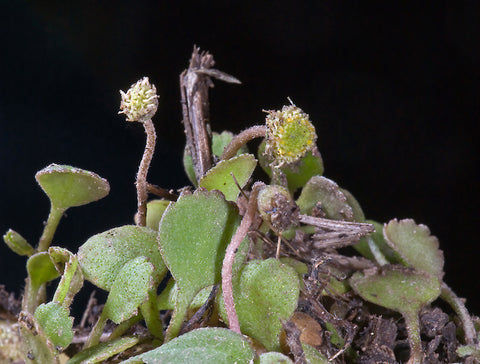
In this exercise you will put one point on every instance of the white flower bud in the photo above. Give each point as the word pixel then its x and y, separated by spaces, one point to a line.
pixel 140 102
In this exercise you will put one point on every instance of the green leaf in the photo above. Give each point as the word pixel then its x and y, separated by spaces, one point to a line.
pixel 358 215
pixel 333 201
pixel 68 186
pixel 274 358
pixel 399 289
pixel 208 345
pixel 55 322
pixel 188 166
pixel 103 351
pixel 41 269
pixel 469 350
pixel 219 142
pixel 334 335
pixel 167 298
pixel 129 290
pixel 18 243
pixel 415 245
pixel 377 236
pixel 297 173
pixel 155 210
pixel 265 293
pixel 220 176
pixel 193 235
pixel 313 356
pixel 71 282
pixel 300 267
pixel 36 346
pixel 103 255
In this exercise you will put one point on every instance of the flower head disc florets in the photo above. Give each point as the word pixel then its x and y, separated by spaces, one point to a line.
pixel 290 135
pixel 140 102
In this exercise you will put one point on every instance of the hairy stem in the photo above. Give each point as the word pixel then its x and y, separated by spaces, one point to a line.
pixel 29 302
pixel 459 307
pixel 230 257
pixel 141 183
pixel 238 141
pixel 413 330
pixel 50 227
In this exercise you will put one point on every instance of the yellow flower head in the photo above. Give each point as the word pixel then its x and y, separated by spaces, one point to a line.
pixel 140 102
pixel 290 135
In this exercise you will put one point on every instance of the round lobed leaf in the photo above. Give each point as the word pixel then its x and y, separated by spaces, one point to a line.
pixel 208 345
pixel 55 322
pixel 333 201
pixel 220 177
pixel 193 235
pixel 265 293
pixel 103 255
pixel 400 289
pixel 68 186
pixel 415 245
pixel 129 290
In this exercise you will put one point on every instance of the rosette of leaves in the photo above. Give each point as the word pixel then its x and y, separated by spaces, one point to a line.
pixel 405 289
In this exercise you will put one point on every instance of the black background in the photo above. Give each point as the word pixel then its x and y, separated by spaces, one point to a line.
pixel 393 91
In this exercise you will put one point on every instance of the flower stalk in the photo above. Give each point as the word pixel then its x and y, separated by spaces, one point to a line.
pixel 139 104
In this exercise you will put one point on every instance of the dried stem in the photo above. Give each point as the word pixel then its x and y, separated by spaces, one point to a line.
pixel 194 87
pixel 141 183
pixel 240 234
pixel 194 84
pixel 238 141
pixel 162 192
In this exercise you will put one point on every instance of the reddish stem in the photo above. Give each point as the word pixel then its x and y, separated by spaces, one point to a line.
pixel 230 257
pixel 141 182
pixel 243 138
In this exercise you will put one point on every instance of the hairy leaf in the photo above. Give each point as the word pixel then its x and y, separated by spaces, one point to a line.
pixel 68 186
pixel 220 176
pixel 415 245
pixel 399 289
pixel 55 322
pixel 129 290
pixel 265 293
pixel 103 255
pixel 208 345
pixel 193 235
pixel 101 352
